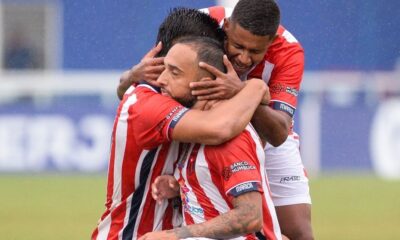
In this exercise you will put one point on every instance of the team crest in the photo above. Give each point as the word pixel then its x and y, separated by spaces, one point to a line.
pixel 226 173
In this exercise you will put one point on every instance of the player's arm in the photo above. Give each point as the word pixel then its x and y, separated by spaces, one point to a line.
pixel 272 125
pixel 149 68
pixel 273 122
pixel 245 217
pixel 225 120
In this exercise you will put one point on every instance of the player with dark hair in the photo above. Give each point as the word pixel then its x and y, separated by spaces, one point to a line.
pixel 224 189
pixel 144 127
pixel 179 23
pixel 259 47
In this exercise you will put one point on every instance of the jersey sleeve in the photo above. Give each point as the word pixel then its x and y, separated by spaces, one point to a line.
pixel 236 165
pixel 154 117
pixel 285 80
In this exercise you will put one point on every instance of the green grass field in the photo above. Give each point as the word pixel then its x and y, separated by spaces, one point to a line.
pixel 67 207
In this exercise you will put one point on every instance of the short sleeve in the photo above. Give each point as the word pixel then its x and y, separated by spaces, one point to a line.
pixel 154 117
pixel 236 165
pixel 285 80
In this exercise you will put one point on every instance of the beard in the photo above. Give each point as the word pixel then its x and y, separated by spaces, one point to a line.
pixel 187 101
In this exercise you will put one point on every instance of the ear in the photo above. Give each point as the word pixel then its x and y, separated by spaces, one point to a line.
pixel 226 25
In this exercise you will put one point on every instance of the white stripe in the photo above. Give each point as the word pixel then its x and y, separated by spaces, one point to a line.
pixel 104 228
pixel 192 199
pixel 204 175
pixel 265 186
pixel 267 70
pixel 168 169
pixel 130 90
pixel 204 10
pixel 120 144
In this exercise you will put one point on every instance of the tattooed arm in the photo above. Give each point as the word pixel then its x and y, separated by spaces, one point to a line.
pixel 244 218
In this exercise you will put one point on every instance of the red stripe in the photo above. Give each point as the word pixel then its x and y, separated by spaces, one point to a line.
pixel 117 221
pixel 217 12
pixel 118 214
pixel 205 203
pixel 268 226
pixel 129 166
pixel 95 233
pixel 182 151
pixel 167 220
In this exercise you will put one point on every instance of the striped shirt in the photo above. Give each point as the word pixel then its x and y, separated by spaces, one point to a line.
pixel 140 151
pixel 211 176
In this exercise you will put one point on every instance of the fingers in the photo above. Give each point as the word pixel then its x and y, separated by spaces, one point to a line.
pixel 203 83
pixel 153 52
pixel 228 65
pixel 157 61
pixel 214 71
pixel 155 69
pixel 206 91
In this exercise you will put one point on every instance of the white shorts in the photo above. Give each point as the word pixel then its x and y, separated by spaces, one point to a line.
pixel 287 177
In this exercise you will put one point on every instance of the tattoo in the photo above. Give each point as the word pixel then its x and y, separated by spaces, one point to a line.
pixel 246 217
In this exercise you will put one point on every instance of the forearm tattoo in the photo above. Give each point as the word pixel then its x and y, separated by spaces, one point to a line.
pixel 246 215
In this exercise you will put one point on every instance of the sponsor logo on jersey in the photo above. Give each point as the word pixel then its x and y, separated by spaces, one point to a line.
pixel 290 179
pixel 292 91
pixel 186 204
pixel 241 166
pixel 278 88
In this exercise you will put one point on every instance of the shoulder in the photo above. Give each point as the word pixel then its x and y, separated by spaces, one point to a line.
pixel 218 12
pixel 283 47
pixel 243 144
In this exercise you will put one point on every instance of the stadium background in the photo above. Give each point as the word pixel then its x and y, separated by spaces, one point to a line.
pixel 56 114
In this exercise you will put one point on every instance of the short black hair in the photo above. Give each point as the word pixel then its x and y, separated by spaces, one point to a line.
pixel 260 17
pixel 187 22
pixel 208 50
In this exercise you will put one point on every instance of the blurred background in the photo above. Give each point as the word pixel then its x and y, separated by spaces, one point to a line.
pixel 60 63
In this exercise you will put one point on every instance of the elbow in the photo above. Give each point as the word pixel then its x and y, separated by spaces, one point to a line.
pixel 255 226
pixel 277 141
pixel 280 135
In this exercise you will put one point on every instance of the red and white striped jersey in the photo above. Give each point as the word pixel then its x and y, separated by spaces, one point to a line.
pixel 211 176
pixel 282 68
pixel 140 151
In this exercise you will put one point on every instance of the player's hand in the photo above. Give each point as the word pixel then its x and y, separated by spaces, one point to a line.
pixel 148 69
pixel 162 235
pixel 164 187
pixel 225 86
pixel 267 97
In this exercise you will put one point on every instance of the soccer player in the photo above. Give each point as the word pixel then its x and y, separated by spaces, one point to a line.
pixel 144 127
pixel 259 47
pixel 223 188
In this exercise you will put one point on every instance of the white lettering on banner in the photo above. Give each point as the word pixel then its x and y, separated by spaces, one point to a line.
pixel 385 140
pixel 36 143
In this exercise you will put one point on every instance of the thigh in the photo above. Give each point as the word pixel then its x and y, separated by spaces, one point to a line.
pixel 295 221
